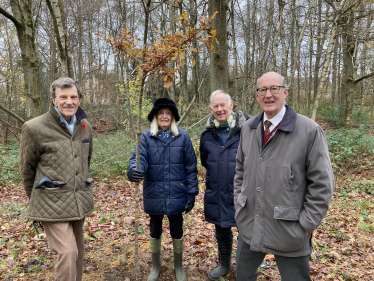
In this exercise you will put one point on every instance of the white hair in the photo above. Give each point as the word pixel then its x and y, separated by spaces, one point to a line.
pixel 219 92
pixel 154 127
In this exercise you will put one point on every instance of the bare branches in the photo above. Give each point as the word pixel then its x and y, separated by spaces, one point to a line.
pixel 11 17
pixel 12 114
pixel 363 77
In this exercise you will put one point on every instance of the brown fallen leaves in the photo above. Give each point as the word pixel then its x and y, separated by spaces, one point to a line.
pixel 343 244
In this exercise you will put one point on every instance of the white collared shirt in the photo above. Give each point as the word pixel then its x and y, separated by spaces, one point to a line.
pixel 276 119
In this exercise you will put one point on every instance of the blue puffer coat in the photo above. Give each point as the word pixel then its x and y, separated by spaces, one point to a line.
pixel 219 160
pixel 170 172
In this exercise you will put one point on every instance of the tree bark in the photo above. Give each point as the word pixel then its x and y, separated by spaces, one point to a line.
pixel 25 26
pixel 57 13
pixel 219 67
pixel 322 81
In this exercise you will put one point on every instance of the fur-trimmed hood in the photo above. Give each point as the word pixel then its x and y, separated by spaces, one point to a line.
pixel 240 119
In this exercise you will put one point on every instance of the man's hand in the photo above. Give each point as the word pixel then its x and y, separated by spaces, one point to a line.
pixel 189 206
pixel 136 175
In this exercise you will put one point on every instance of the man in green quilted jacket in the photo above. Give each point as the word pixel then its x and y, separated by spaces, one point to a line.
pixel 54 160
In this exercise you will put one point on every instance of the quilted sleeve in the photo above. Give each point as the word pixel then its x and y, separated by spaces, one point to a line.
pixel 190 166
pixel 28 158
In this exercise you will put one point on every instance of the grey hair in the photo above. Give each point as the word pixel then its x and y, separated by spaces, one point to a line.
pixel 219 92
pixel 283 82
pixel 63 83
pixel 154 127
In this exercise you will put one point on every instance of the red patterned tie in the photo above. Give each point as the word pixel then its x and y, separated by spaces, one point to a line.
pixel 267 126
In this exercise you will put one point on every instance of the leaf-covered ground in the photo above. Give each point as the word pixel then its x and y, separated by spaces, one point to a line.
pixel 344 243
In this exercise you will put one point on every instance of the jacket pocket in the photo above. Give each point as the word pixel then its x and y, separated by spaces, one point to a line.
pixel 285 233
pixel 289 177
pixel 88 184
pixel 241 201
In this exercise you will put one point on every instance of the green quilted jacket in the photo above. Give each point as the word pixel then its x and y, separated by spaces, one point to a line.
pixel 48 149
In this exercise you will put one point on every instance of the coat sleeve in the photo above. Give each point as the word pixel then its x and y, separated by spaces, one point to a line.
pixel 143 163
pixel 190 166
pixel 238 179
pixel 203 152
pixel 320 182
pixel 29 155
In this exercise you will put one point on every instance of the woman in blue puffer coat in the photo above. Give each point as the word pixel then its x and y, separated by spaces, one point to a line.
pixel 168 166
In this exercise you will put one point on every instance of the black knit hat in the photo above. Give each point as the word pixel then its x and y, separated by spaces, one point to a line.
pixel 162 103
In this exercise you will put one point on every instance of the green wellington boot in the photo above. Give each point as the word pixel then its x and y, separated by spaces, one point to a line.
pixel 156 259
pixel 224 256
pixel 178 251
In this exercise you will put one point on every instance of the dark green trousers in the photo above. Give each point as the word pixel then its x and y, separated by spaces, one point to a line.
pixel 290 268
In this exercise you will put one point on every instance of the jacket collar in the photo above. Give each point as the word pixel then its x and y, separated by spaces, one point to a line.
pixel 287 124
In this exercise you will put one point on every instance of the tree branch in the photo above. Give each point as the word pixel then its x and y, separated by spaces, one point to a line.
pixel 187 110
pixel 6 123
pixel 11 17
pixel 12 114
pixel 363 77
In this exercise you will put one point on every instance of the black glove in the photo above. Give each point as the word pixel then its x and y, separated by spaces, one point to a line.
pixel 46 182
pixel 189 206
pixel 136 175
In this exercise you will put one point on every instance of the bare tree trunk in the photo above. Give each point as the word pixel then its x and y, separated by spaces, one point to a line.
pixel 219 67
pixel 282 38
pixel 57 13
pixel 327 60
pixel 334 72
pixel 235 53
pixel 281 4
pixel 25 26
pixel 195 66
pixel 298 44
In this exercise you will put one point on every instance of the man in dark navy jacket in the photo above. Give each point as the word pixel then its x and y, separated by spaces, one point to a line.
pixel 218 145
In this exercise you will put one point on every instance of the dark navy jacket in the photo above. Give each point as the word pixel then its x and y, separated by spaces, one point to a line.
pixel 170 172
pixel 219 160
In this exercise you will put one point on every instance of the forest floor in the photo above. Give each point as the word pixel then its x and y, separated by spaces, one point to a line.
pixel 343 244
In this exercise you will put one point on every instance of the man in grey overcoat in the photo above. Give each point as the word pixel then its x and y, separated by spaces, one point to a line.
pixel 283 185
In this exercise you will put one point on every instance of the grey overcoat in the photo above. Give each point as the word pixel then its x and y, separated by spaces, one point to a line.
pixel 282 190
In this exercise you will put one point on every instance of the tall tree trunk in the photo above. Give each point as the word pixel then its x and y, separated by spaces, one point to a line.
pixel 322 82
pixel 57 13
pixel 234 75
pixel 334 72
pixel 296 56
pixel 195 67
pixel 219 67
pixel 25 26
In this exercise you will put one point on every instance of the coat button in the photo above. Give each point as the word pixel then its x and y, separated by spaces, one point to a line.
pixel 75 156
pixel 260 160
pixel 73 139
pixel 258 188
pixel 76 173
pixel 257 216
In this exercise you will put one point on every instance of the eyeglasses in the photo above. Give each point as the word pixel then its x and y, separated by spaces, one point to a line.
pixel 273 89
